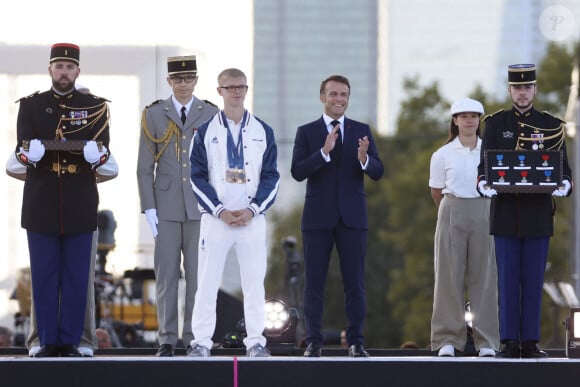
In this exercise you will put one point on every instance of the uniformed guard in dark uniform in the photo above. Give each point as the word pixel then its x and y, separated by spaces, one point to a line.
pixel 522 223
pixel 63 136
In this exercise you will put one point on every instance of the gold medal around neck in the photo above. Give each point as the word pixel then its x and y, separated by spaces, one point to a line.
pixel 237 176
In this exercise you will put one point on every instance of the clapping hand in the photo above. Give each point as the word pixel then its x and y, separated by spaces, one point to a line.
pixel 330 141
pixel 363 147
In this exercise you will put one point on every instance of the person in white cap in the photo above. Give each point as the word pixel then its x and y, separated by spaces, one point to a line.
pixel 463 252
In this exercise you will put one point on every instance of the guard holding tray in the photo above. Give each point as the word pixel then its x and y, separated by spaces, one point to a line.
pixel 63 136
pixel 522 223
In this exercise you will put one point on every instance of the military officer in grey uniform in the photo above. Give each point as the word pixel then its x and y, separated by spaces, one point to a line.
pixel 167 199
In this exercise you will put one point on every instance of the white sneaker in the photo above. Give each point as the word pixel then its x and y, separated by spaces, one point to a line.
pixel 33 350
pixel 486 352
pixel 198 351
pixel 257 350
pixel 446 351
pixel 86 351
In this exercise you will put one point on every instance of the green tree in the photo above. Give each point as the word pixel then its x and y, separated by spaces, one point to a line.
pixel 422 128
pixel 553 78
pixel 553 90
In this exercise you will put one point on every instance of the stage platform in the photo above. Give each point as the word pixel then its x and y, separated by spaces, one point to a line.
pixel 139 367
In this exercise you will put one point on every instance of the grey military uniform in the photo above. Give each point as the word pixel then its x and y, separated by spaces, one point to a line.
pixel 163 174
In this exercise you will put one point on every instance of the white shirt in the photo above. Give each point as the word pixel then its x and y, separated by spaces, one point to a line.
pixel 235 196
pixel 178 105
pixel 454 169
pixel 328 121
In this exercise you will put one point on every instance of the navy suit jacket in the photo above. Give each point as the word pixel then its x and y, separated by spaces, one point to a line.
pixel 334 189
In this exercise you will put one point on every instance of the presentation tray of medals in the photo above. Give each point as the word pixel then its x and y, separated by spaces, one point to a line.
pixel 521 171
pixel 62 145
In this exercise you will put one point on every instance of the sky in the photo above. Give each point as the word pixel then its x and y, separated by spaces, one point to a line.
pixel 223 28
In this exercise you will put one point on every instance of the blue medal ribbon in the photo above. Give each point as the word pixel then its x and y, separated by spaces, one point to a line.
pixel 235 153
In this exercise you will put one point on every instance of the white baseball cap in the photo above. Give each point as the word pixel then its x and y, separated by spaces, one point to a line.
pixel 463 105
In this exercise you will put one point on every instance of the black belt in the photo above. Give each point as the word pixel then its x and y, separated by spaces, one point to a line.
pixel 66 168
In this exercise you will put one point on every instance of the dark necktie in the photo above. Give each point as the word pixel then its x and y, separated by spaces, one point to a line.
pixel 338 144
pixel 183 116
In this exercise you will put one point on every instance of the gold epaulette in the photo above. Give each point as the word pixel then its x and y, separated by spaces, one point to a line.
pixel 172 130
pixel 97 97
pixel 153 103
pixel 210 103
pixel 491 115
pixel 28 96
pixel 553 116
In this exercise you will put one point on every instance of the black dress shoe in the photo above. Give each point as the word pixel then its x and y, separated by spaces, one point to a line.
pixel 530 350
pixel 69 350
pixel 313 350
pixel 48 350
pixel 510 349
pixel 357 350
pixel 165 350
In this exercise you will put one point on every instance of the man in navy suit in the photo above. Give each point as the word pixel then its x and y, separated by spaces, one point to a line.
pixel 334 153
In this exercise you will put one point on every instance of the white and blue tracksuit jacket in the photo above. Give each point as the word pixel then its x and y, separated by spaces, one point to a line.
pixel 209 162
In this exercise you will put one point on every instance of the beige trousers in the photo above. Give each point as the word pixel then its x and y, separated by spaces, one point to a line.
pixel 465 268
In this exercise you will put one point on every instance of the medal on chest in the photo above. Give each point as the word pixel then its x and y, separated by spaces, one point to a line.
pixel 537 141
pixel 235 173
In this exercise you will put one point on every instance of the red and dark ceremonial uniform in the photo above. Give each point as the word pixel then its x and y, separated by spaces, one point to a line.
pixel 59 209
pixel 522 223
pixel 60 193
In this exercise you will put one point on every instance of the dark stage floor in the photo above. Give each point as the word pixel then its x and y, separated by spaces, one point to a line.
pixel 138 367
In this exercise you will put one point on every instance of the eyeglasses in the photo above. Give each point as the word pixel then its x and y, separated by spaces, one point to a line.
pixel 232 89
pixel 187 78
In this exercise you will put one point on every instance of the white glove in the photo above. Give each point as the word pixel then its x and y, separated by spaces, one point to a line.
pixel 110 168
pixel 15 168
pixel 91 152
pixel 151 216
pixel 562 191
pixel 35 151
pixel 485 190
